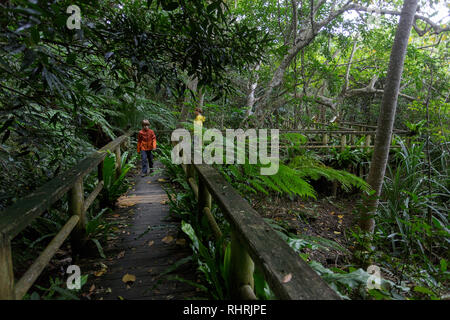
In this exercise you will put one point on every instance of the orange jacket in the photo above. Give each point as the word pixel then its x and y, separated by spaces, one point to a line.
pixel 146 140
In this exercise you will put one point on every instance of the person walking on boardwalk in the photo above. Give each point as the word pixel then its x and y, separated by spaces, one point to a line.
pixel 146 143
pixel 199 117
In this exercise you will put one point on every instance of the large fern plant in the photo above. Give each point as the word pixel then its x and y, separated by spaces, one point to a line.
pixel 291 179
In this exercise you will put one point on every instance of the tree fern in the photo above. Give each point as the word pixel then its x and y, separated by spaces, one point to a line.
pixel 291 179
pixel 314 169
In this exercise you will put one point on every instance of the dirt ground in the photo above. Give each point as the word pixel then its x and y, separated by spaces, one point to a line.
pixel 327 217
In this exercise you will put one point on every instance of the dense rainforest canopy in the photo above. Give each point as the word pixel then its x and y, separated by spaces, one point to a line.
pixel 292 65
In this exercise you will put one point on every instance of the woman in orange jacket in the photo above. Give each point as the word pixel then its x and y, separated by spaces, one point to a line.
pixel 146 143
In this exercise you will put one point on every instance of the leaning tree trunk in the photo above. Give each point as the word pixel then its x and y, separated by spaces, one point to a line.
pixel 387 113
pixel 192 85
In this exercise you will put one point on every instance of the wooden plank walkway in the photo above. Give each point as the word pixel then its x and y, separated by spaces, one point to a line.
pixel 148 243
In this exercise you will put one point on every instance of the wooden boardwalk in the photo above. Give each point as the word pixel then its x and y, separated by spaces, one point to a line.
pixel 148 242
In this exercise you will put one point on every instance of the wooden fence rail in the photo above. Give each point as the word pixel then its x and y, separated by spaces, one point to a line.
pixel 20 215
pixel 253 241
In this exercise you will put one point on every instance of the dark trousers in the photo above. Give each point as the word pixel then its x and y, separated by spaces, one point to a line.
pixel 146 155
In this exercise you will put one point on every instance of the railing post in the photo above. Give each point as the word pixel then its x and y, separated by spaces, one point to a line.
pixel 241 267
pixel 76 204
pixel 352 136
pixel 103 195
pixel 190 171
pixel 118 161
pixel 204 197
pixel 367 142
pixel 6 269
pixel 343 142
pixel 325 139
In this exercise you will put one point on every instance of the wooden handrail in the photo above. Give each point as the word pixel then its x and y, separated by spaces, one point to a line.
pixel 21 214
pixel 288 275
pixel 18 216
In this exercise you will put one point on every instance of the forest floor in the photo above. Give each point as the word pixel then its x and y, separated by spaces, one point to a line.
pixel 327 217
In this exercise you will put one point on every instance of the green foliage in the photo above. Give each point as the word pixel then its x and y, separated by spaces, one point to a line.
pixel 291 179
pixel 355 282
pixel 412 237
pixel 56 291
pixel 348 157
pixel 209 260
pixel 115 186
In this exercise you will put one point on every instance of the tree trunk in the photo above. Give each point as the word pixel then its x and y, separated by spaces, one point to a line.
pixel 387 113
pixel 192 85
pixel 253 83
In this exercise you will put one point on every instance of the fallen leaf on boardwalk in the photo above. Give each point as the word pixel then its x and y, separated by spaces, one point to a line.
pixel 164 202
pixel 129 278
pixel 181 242
pixel 121 255
pixel 92 288
pixel 120 298
pixel 332 212
pixel 161 180
pixel 287 278
pixel 150 270
pixel 116 215
pixel 340 216
pixel 147 198
pixel 102 271
pixel 150 243
pixel 149 182
pixel 167 239
pixel 337 232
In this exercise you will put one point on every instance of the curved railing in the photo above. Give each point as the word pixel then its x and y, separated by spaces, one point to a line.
pixel 20 215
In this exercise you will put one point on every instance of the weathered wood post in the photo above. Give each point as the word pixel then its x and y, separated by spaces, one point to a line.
pixel 204 197
pixel 118 161
pixel 6 269
pixel 367 142
pixel 76 205
pixel 343 142
pixel 241 268
pixel 325 139
pixel 352 136
pixel 102 196
pixel 366 146
pixel 190 171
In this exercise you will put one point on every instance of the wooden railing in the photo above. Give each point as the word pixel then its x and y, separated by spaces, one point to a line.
pixel 20 215
pixel 253 241
pixel 347 132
